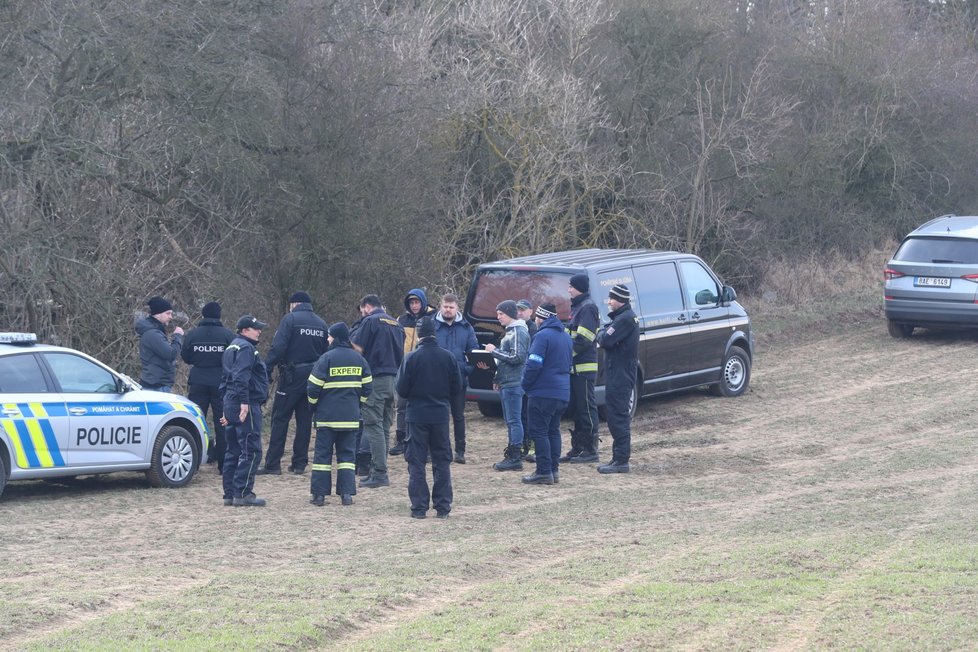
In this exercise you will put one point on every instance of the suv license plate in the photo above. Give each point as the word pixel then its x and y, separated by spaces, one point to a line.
pixel 932 282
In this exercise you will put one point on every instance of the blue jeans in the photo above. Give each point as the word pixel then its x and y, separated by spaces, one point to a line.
pixel 544 421
pixel 512 398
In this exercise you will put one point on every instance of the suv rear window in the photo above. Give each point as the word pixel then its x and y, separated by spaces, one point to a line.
pixel 938 250
pixel 494 286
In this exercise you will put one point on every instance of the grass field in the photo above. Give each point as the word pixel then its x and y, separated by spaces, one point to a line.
pixel 831 507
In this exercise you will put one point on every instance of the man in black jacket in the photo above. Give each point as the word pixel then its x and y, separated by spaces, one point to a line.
pixel 299 341
pixel 245 389
pixel 428 379
pixel 583 329
pixel 381 340
pixel 339 383
pixel 203 348
pixel 620 343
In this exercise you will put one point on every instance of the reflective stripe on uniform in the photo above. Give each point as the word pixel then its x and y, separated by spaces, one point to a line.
pixel 588 335
pixel 344 466
pixel 351 425
pixel 342 383
pixel 586 367
pixel 316 381
pixel 322 467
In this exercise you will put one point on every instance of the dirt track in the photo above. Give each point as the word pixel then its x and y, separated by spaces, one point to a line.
pixel 845 437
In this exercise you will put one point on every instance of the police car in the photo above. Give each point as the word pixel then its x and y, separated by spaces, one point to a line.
pixel 63 413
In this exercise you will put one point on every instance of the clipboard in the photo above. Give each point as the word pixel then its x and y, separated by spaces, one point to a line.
pixel 480 355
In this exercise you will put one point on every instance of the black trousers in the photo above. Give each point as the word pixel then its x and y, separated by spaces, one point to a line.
pixel 584 408
pixel 619 422
pixel 290 401
pixel 458 417
pixel 244 450
pixel 422 438
pixel 210 397
pixel 344 442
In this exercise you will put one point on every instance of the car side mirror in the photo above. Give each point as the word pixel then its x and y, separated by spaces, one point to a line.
pixel 706 298
pixel 729 294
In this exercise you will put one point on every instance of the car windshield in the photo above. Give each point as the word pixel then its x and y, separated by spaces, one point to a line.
pixel 494 286
pixel 938 250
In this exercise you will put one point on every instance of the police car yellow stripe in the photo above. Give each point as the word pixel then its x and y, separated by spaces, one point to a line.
pixel 19 453
pixel 44 458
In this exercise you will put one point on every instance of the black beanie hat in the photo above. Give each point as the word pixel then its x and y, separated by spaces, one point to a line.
pixel 158 305
pixel 339 331
pixel 580 282
pixel 508 308
pixel 300 297
pixel 620 292
pixel 426 327
pixel 546 311
pixel 211 310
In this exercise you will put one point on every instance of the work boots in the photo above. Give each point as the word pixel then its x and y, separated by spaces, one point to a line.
pixel 574 451
pixel 399 446
pixel 614 466
pixel 511 460
pixel 376 480
pixel 363 464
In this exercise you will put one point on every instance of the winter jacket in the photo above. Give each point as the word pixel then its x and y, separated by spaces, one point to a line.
pixel 547 372
pixel 340 381
pixel 299 341
pixel 457 338
pixel 428 378
pixel 409 320
pixel 619 339
pixel 583 329
pixel 511 355
pixel 382 341
pixel 157 354
pixel 203 348
pixel 245 376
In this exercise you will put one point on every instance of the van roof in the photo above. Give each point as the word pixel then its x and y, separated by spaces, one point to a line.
pixel 581 258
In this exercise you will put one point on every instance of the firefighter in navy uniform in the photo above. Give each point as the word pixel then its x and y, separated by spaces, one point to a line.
pixel 583 330
pixel 620 343
pixel 244 386
pixel 203 348
pixel 340 381
pixel 298 343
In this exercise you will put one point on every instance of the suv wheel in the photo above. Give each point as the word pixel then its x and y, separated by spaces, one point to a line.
pixel 491 410
pixel 735 373
pixel 3 475
pixel 175 458
pixel 899 330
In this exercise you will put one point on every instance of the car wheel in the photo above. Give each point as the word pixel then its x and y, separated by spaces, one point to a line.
pixel 899 330
pixel 175 458
pixel 735 373
pixel 3 475
pixel 491 410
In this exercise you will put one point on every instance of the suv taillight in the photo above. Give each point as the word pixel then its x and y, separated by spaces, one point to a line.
pixel 970 277
pixel 890 274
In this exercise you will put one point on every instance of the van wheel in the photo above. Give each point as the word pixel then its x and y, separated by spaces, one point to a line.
pixel 491 410
pixel 175 458
pixel 734 373
pixel 899 330
pixel 3 475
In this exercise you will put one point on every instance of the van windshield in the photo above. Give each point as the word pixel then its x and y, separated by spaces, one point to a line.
pixel 493 286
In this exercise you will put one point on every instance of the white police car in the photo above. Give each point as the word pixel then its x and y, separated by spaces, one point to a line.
pixel 63 413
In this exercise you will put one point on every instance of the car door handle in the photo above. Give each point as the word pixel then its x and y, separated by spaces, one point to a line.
pixel 695 316
pixel 682 317
pixel 77 411
pixel 11 412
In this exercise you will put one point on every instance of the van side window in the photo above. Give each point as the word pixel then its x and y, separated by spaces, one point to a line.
pixel 658 289
pixel 701 288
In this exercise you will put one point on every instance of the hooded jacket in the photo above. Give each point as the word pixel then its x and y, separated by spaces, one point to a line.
pixel 547 372
pixel 157 354
pixel 203 348
pixel 409 320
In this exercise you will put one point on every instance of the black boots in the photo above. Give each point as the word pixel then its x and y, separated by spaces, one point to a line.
pixel 363 464
pixel 512 460
pixel 399 446
pixel 614 466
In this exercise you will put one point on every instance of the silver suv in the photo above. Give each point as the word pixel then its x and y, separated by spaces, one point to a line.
pixel 63 413
pixel 932 279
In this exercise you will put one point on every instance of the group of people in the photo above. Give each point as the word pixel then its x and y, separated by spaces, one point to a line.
pixel 354 382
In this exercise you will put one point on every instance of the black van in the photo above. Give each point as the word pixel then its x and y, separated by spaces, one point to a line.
pixel 693 331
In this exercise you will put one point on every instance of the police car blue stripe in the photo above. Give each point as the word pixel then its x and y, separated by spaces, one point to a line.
pixel 28 445
pixel 158 408
pixel 55 409
pixel 52 442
